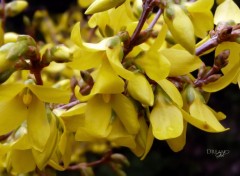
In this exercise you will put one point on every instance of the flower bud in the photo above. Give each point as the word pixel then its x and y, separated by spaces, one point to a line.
pixel 15 7
pixel 120 158
pixel 102 5
pixel 59 54
pixel 24 46
pixel 10 37
pixel 222 59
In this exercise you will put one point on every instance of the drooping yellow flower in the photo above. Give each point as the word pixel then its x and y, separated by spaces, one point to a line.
pixel 166 118
pixel 22 102
pixel 200 115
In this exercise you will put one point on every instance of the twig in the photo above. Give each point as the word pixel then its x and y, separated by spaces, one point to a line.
pixel 104 159
pixel 69 105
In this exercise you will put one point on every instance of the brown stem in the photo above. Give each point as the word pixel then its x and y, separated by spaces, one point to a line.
pixel 211 43
pixel 104 159
pixel 147 8
pixel 69 105
pixel 154 21
pixel 38 77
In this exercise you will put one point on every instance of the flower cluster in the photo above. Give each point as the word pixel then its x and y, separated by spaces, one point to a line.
pixel 138 75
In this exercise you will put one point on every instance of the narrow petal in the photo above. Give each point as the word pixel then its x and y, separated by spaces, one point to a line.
pixel 160 38
pixel 49 94
pixel 127 113
pixel 202 114
pixel 171 91
pixel 9 91
pixel 177 144
pixel 98 117
pixel 149 142
pixel 13 113
pixel 115 54
pixel 37 124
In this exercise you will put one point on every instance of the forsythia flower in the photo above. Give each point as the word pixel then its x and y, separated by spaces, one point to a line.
pixel 22 102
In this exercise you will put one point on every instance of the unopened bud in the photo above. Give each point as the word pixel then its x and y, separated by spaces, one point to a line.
pixel 212 78
pixel 120 158
pixel 24 46
pixel 61 53
pixel 190 95
pixel 15 7
pixel 10 37
pixel 222 59
pixel 103 5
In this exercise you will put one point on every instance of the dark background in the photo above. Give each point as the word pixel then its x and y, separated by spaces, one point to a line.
pixel 193 159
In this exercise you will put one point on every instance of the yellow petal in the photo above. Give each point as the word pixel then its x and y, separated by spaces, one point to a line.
pixel 22 161
pixel 37 124
pixel 22 143
pixel 84 59
pixel 51 95
pixel 120 136
pixel 107 81
pixel 140 89
pixel 180 27
pixel 182 62
pixel 13 113
pixel 166 119
pixel 42 157
pixel 141 138
pixel 155 65
pixel 160 38
pixel 149 142
pixel 127 113
pixel 202 23
pixel 200 5
pixel 202 113
pixel 8 91
pixel 227 11
pixel 98 117
pixel 115 54
pixel 171 91
pixel 177 144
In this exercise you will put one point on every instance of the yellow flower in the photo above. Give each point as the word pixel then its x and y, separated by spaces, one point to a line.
pixel 166 118
pixel 22 102
pixel 200 115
